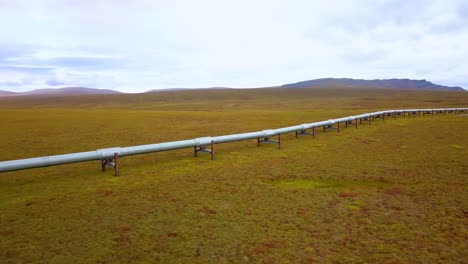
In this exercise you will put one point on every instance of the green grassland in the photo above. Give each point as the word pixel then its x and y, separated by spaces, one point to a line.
pixel 390 192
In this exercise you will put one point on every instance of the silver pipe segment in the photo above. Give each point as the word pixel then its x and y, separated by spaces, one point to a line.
pixel 108 153
pixel 22 164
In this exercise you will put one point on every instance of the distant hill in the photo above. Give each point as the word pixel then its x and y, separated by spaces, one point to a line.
pixel 61 91
pixel 359 83
pixel 3 93
pixel 185 89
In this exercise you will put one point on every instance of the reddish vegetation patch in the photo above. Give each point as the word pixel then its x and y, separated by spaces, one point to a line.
pixel 347 194
pixel 6 232
pixel 273 244
pixel 125 229
pixel 364 141
pixel 173 234
pixel 382 179
pixel 124 237
pixel 207 211
pixel 301 211
pixel 257 251
pixel 265 246
pixel 107 193
pixel 465 213
pixel 393 191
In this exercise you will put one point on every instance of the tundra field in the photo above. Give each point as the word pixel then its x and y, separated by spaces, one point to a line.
pixel 391 192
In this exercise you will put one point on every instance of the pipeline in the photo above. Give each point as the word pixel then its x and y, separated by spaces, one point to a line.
pixel 109 156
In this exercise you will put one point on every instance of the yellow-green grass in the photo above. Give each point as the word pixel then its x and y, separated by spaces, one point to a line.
pixel 394 191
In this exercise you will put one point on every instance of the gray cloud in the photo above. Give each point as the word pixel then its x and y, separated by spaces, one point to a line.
pixel 9 51
pixel 26 69
pixel 55 83
pixel 10 84
pixel 462 11
pixel 87 62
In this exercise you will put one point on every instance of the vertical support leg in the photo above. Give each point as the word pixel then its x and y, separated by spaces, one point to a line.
pixel 116 164
pixel 279 141
pixel 296 134
pixel 419 112
pixel 323 129
pixel 212 150
pixel 195 152
pixel 103 165
pixel 313 132
pixel 360 121
pixel 258 142
pixel 338 127
pixel 355 121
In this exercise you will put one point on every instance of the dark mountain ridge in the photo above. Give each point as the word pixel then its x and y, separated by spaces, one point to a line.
pixel 378 83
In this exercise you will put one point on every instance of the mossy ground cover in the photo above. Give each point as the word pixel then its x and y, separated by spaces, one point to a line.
pixel 390 192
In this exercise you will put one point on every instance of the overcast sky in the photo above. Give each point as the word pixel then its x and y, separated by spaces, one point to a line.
pixel 134 46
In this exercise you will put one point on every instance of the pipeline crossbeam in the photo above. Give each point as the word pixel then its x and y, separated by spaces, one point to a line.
pixel 109 153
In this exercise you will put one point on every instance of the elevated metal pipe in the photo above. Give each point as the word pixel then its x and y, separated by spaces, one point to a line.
pixel 108 153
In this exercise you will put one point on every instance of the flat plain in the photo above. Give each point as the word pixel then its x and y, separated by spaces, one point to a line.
pixel 390 192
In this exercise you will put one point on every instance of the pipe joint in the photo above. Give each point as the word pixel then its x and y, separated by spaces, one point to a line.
pixel 108 153
pixel 269 132
pixel 203 141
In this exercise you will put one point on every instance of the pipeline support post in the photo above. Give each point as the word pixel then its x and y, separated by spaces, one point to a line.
pixel 365 119
pixel 428 113
pixel 204 149
pixel 116 164
pixel 111 162
pixel 325 127
pixel 350 122
pixel 304 132
pixel 268 140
